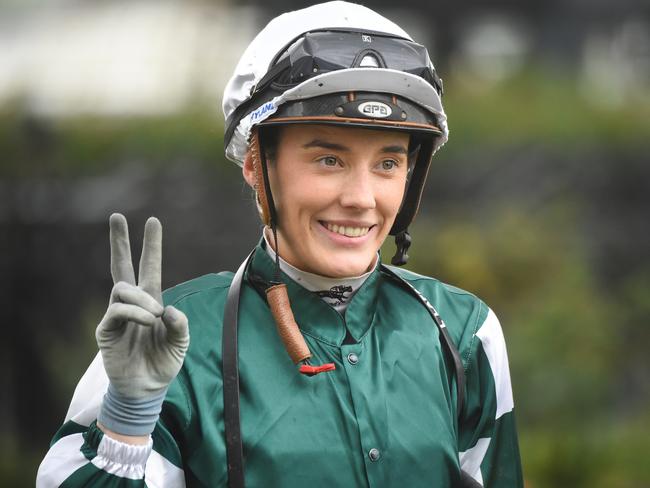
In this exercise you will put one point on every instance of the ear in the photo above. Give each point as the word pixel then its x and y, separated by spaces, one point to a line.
pixel 248 170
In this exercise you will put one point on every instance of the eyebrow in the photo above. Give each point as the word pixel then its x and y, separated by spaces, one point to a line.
pixel 394 149
pixel 339 147
pixel 325 145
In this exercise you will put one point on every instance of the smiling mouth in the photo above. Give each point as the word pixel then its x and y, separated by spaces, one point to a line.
pixel 345 230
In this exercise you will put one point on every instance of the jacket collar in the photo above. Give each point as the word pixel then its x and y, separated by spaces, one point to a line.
pixel 315 317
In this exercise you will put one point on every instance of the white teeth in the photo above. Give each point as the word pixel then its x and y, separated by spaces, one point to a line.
pixel 348 231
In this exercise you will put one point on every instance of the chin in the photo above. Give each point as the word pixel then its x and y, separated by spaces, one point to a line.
pixel 346 268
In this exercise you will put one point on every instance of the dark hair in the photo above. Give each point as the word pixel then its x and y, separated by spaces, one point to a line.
pixel 269 139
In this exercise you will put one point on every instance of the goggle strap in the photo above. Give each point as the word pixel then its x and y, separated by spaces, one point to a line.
pixel 271 75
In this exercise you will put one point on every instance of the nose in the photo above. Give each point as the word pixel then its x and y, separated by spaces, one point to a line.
pixel 358 190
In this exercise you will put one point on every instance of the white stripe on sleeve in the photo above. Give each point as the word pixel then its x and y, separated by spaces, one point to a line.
pixel 470 460
pixel 160 473
pixel 494 346
pixel 63 459
pixel 88 395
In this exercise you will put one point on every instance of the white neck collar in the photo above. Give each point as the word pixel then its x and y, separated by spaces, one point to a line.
pixel 347 286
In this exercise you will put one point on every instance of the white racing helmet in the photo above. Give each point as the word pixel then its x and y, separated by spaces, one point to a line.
pixel 336 63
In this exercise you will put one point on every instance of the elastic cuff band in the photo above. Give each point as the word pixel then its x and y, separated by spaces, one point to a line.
pixel 121 453
pixel 129 416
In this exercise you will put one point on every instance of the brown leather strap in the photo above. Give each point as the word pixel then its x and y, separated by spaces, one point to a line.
pixel 260 184
pixel 294 342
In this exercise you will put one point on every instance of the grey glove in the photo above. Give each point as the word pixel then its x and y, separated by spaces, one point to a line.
pixel 142 344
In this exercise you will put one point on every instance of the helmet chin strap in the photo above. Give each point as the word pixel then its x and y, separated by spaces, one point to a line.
pixel 276 295
pixel 402 242
pixel 262 187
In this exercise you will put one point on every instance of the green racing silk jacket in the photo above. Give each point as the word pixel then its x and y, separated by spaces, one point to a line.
pixel 385 417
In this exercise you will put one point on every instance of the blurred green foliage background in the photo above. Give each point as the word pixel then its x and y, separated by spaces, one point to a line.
pixel 538 204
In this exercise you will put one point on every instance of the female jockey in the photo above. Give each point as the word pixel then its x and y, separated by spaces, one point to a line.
pixel 314 365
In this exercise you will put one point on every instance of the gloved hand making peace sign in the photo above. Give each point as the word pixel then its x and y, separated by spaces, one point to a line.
pixel 142 343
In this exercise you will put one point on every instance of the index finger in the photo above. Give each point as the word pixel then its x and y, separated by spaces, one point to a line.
pixel 150 261
pixel 121 264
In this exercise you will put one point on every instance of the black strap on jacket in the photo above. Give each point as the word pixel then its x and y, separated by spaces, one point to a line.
pixel 230 371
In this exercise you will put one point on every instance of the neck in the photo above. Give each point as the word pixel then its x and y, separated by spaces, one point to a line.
pixel 337 292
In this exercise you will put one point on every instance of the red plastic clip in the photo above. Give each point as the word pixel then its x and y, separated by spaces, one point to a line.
pixel 310 370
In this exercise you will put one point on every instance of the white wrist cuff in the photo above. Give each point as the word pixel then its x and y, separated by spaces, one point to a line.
pixel 122 459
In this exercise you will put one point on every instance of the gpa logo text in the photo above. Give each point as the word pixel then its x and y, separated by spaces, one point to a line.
pixel 376 110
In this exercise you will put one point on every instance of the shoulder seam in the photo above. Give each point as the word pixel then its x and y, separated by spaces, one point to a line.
pixel 194 292
pixel 418 277
pixel 413 275
pixel 473 340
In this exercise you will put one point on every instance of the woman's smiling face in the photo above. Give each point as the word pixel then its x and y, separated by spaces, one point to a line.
pixel 337 191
